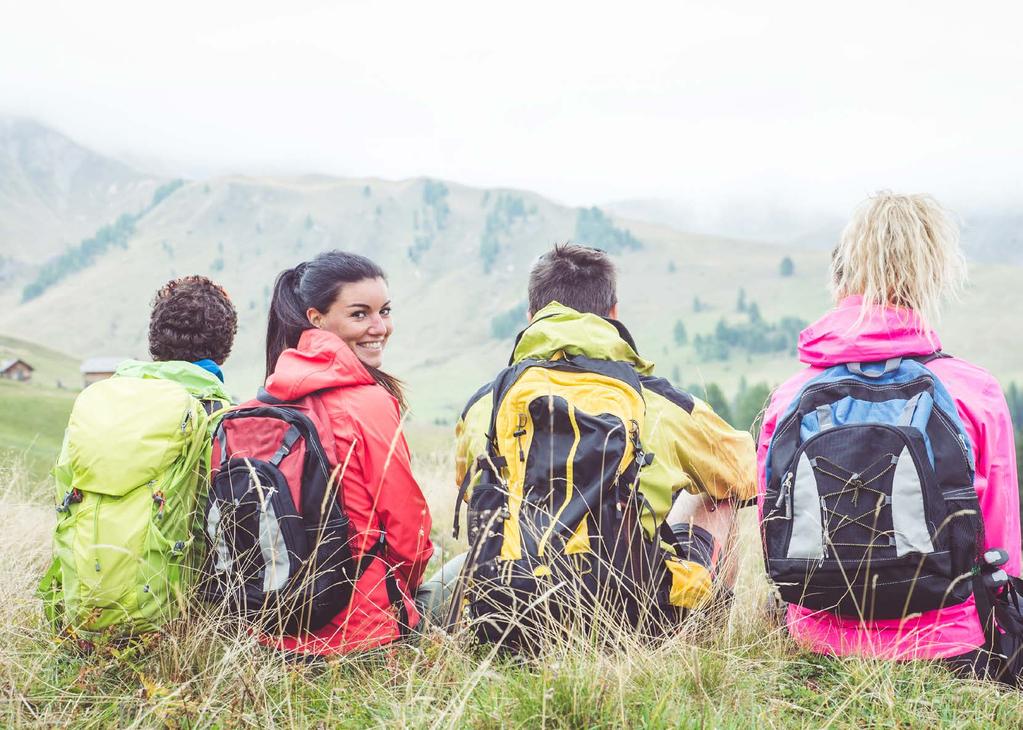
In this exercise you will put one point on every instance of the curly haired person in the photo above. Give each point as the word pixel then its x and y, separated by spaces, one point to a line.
pixel 193 320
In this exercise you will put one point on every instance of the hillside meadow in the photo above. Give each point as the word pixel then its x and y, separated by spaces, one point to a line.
pixel 457 258
pixel 725 670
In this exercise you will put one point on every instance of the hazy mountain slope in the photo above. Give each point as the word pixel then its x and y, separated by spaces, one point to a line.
pixel 458 259
pixel 765 221
pixel 993 236
pixel 243 231
pixel 54 192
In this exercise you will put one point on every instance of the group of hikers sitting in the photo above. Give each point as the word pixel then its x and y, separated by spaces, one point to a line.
pixel 599 497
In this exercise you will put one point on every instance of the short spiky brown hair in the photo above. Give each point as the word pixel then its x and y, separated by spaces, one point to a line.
pixel 579 277
pixel 193 319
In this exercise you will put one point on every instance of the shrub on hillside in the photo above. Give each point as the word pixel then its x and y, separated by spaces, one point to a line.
pixel 754 336
pixel 435 196
pixel 593 228
pixel 503 216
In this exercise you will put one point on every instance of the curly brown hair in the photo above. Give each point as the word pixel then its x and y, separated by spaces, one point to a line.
pixel 193 319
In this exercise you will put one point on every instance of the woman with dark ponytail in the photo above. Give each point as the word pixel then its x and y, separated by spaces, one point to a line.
pixel 329 323
pixel 313 287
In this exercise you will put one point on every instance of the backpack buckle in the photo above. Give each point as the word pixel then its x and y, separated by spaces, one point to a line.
pixel 72 497
pixel 159 500
pixel 996 557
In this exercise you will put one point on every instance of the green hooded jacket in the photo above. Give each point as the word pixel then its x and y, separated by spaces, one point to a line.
pixel 694 448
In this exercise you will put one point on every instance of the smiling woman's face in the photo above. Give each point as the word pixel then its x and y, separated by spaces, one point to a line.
pixel 361 316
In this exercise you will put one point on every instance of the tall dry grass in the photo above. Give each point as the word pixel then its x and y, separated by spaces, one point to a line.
pixel 737 670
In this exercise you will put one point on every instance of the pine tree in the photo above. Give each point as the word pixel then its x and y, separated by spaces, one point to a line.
pixel 750 404
pixel 754 313
pixel 716 400
pixel 681 338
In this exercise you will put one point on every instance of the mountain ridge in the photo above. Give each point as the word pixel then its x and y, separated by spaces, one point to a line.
pixel 458 260
pixel 54 191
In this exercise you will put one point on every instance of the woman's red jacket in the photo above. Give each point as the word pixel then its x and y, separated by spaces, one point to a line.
pixel 380 494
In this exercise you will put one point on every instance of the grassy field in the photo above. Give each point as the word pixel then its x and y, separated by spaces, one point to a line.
pixel 32 425
pixel 729 671
pixel 733 671
pixel 33 414
pixel 50 365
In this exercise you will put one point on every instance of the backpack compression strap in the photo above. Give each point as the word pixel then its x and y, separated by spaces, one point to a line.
pixel 989 579
pixel 483 461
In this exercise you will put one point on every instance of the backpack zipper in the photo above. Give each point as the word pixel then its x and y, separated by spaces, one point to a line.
pixel 95 531
pixel 824 386
pixel 924 493
pixel 785 496
pixel 946 420
pixel 518 434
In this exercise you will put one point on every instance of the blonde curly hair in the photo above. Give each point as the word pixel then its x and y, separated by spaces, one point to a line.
pixel 900 250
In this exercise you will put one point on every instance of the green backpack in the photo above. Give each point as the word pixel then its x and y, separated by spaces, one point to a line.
pixel 135 455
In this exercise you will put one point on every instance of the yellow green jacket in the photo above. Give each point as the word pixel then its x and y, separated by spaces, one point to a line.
pixel 694 449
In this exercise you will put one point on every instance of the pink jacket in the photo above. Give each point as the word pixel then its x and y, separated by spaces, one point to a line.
pixel 888 332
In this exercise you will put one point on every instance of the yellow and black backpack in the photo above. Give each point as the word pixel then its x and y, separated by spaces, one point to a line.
pixel 553 516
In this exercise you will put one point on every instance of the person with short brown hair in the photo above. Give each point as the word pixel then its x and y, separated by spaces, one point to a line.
pixel 579 277
pixel 691 463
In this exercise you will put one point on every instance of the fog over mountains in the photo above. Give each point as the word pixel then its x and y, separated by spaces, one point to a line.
pixel 989 235
pixel 53 192
pixel 85 240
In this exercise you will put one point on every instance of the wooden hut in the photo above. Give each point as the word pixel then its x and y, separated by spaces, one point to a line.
pixel 99 368
pixel 16 369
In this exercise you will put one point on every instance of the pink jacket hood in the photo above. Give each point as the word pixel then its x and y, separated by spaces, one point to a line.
pixel 841 335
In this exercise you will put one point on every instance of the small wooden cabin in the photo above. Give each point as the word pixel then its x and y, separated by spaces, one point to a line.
pixel 99 368
pixel 16 369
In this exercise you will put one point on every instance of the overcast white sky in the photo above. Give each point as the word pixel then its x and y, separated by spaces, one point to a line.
pixel 817 103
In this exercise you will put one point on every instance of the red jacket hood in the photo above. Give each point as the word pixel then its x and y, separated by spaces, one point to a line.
pixel 884 332
pixel 321 360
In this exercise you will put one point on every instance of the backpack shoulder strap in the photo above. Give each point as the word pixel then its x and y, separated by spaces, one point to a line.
pixel 893 363
pixel 936 355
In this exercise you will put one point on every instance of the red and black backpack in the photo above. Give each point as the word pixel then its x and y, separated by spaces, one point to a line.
pixel 279 552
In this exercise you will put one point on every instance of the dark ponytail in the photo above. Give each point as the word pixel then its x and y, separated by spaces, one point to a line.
pixel 286 321
pixel 316 284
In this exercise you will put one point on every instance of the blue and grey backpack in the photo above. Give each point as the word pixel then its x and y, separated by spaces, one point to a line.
pixel 870 511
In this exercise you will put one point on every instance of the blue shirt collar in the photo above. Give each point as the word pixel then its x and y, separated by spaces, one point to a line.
pixel 212 367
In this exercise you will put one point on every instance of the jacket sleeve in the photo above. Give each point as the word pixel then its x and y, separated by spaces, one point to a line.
pixel 398 501
pixel 996 476
pixel 720 460
pixel 471 438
